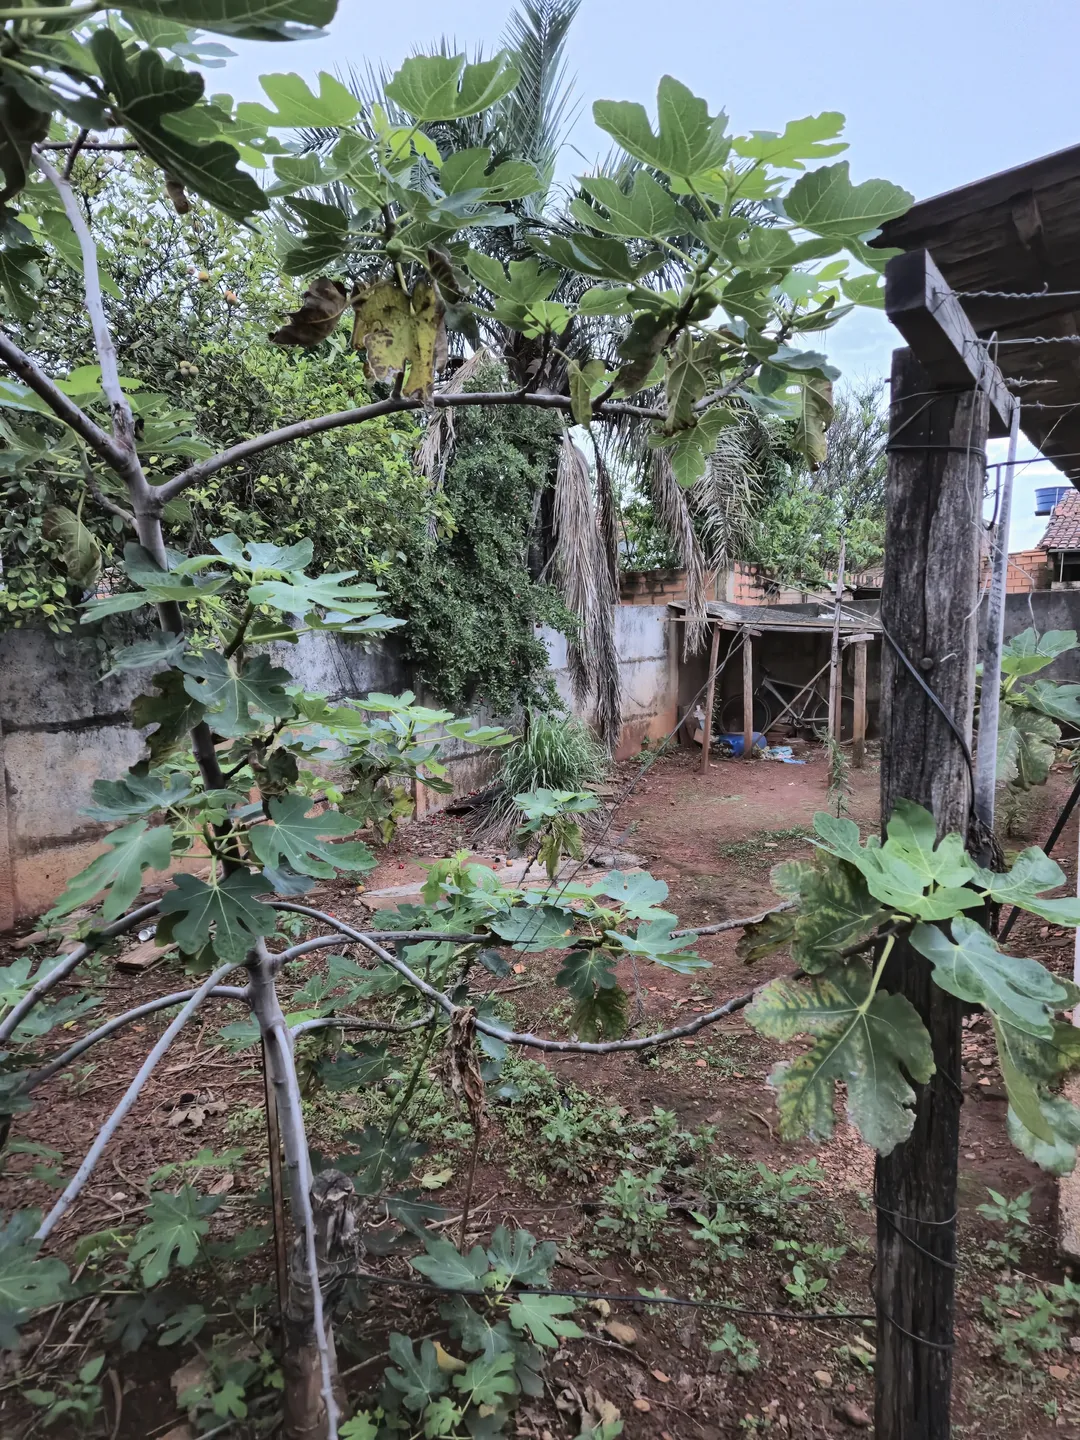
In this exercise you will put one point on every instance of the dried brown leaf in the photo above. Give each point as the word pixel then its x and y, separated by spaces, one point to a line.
pixel 323 305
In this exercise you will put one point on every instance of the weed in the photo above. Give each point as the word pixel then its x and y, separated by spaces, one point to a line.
pixel 839 787
pixel 721 1233
pixel 638 1215
pixel 78 1401
pixel 803 1288
pixel 747 850
pixel 744 1352
pixel 1026 1319
pixel 1015 1217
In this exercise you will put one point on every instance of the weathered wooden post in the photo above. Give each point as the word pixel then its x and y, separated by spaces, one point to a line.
pixel 748 696
pixel 937 443
pixel 858 728
pixel 710 695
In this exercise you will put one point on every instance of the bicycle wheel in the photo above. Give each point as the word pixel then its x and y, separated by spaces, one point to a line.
pixel 731 715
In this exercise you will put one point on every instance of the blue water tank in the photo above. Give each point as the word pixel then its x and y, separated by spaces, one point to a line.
pixel 1047 496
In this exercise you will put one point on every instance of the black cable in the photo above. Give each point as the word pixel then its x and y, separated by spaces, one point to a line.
pixel 1055 834
pixel 961 739
pixel 624 1296
pixel 919 1340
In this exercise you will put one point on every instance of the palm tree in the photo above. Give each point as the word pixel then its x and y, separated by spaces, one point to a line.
pixel 578 518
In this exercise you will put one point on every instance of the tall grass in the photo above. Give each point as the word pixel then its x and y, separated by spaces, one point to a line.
pixel 556 753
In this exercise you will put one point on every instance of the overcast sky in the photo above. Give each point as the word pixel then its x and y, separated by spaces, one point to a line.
pixel 936 92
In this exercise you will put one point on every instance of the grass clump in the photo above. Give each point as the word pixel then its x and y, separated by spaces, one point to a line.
pixel 557 752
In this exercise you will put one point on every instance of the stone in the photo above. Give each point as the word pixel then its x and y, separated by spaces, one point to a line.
pixel 624 1334
pixel 823 1379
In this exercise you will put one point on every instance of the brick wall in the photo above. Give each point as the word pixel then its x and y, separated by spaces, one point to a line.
pixel 1028 570
pixel 743 584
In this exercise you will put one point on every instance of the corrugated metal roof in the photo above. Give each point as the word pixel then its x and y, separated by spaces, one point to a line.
pixel 787 617
pixel 1063 531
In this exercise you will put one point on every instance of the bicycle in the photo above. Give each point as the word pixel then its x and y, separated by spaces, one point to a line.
pixel 802 707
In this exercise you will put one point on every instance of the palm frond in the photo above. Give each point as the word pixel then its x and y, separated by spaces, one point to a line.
pixel 537 115
pixel 673 511
pixel 575 561
pixel 726 497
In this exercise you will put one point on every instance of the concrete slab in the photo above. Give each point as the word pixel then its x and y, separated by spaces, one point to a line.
pixel 515 872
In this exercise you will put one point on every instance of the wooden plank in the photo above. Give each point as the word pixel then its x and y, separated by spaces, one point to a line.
pixel 858 728
pixel 986 758
pixel 931 319
pixel 929 605
pixel 748 698
pixel 710 696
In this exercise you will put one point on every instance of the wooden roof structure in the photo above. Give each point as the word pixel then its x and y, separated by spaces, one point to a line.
pixel 787 619
pixel 1017 232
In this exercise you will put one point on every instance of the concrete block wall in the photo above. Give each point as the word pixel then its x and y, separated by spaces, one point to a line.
pixel 647 641
pixel 62 727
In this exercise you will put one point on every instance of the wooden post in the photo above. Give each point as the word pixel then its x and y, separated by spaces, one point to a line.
pixel 835 667
pixel 710 696
pixel 748 696
pixel 928 604
pixel 858 729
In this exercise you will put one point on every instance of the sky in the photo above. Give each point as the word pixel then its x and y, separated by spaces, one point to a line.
pixel 937 93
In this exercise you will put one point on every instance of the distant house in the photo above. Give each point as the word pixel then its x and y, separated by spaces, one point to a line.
pixel 1061 542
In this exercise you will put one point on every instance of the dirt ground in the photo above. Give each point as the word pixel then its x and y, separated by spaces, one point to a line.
pixel 713 839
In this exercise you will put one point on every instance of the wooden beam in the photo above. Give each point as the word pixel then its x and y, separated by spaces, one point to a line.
pixel 748 698
pixel 710 696
pixel 931 319
pixel 858 728
pixel 929 605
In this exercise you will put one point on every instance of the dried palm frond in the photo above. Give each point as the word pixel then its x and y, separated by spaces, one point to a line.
pixel 435 449
pixel 575 561
pixel 608 684
pixel 607 519
pixel 672 504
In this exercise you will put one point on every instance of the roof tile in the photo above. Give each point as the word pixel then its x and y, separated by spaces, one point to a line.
pixel 1063 531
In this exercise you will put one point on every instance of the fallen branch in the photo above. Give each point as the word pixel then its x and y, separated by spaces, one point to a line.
pixel 22 1008
pixel 131 1094
pixel 110 1027
pixel 735 924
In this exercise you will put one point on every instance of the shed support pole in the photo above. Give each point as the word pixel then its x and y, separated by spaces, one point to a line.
pixel 748 696
pixel 710 696
pixel 928 605
pixel 858 731
pixel 990 694
pixel 836 668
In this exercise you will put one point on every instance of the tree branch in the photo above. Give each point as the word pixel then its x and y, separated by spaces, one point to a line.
pixel 119 405
pixel 408 937
pixel 22 1008
pixel 394 404
pixel 734 924
pixel 513 1037
pixel 65 409
pixel 347 1022
pixel 266 1008
pixel 131 1094
pixel 163 1002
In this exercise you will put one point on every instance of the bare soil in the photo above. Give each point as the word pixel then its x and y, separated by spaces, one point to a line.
pixel 713 839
